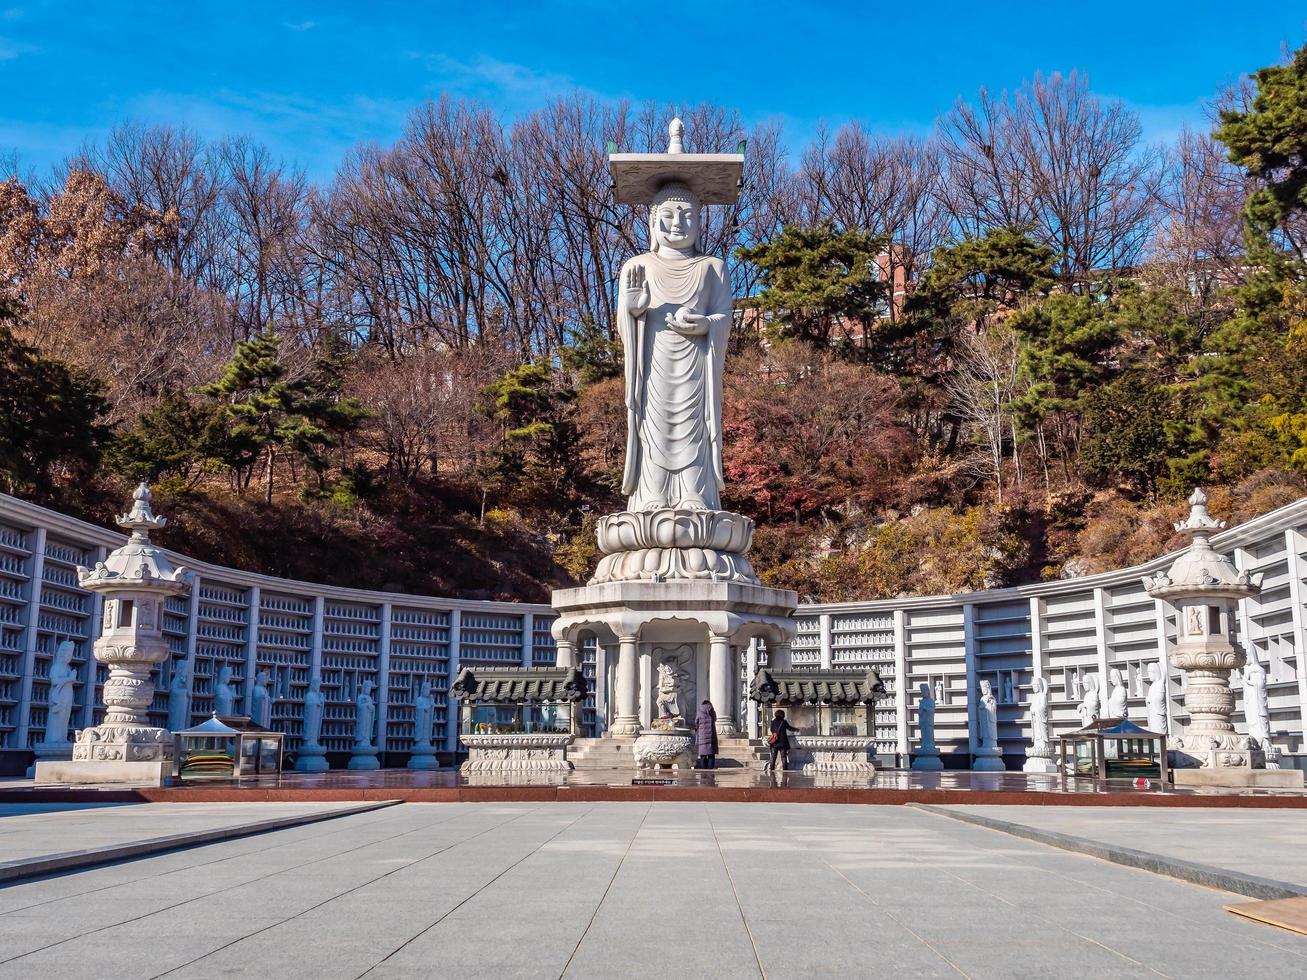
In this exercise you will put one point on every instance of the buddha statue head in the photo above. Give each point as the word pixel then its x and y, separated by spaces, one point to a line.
pixel 674 222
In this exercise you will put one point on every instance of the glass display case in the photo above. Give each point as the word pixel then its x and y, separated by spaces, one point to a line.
pixel 507 718
pixel 226 748
pixel 1113 748
pixel 841 720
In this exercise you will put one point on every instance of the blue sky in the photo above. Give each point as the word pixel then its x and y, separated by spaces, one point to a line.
pixel 313 79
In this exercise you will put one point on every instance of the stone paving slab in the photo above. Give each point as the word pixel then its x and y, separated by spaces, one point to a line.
pixel 631 890
pixel 38 839
pixel 1260 853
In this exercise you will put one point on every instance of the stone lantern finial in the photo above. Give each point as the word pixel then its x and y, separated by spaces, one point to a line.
pixel 141 520
pixel 1198 521
pixel 676 134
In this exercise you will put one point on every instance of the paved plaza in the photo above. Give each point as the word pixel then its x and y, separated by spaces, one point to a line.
pixel 638 890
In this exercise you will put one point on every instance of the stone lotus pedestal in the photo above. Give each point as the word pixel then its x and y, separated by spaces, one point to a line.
pixel 927 760
pixel 670 543
pixel 834 753
pixel 662 748
pixel 988 758
pixel 1039 759
pixel 363 757
pixel 311 758
pixel 521 753
pixel 423 757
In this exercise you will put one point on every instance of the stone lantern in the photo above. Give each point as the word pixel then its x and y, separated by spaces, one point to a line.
pixel 134 581
pixel 1205 589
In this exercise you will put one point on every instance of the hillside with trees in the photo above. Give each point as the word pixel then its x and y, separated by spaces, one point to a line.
pixel 1000 352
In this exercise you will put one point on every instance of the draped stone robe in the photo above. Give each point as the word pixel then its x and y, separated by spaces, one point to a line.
pixel 674 385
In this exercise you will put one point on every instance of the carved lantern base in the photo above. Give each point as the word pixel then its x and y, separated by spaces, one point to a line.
pixel 114 754
pixel 517 752
pixel 834 753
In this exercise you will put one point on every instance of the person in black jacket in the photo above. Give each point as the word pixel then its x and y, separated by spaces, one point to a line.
pixel 779 742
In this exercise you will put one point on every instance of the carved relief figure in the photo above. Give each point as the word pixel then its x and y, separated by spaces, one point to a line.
pixel 1009 690
pixel 988 716
pixel 674 319
pixel 668 701
pixel 1117 703
pixel 1193 617
pixel 63 678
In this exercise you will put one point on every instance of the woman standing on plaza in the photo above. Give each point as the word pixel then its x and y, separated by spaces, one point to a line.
pixel 705 724
pixel 779 742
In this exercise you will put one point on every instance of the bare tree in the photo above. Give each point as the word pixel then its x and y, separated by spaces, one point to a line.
pixel 1056 159
pixel 983 385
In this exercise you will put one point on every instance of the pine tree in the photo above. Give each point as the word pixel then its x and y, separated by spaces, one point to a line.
pixel 267 414
pixel 48 419
pixel 815 277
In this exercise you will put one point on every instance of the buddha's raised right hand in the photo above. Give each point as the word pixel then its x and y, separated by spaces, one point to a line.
pixel 637 291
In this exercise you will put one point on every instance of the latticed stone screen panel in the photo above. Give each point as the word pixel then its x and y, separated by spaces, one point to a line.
pixel 351 643
pixel 419 650
pixel 176 626
pixel 65 615
pixel 221 635
pixel 285 650
pixel 543 651
pixel 935 645
pixel 805 650
pixel 16 545
pixel 490 639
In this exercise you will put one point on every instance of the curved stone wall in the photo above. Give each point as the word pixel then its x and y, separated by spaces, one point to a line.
pixel 1062 630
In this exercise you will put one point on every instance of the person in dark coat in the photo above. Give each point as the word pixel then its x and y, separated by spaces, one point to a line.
pixel 705 724
pixel 779 741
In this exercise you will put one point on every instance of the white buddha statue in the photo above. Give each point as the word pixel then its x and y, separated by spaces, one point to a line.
pixel 674 319
pixel 63 681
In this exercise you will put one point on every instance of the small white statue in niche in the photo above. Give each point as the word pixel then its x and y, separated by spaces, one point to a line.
pixel 668 700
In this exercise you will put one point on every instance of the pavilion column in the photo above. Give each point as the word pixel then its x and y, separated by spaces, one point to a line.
pixel 779 656
pixel 719 683
pixel 565 653
pixel 627 722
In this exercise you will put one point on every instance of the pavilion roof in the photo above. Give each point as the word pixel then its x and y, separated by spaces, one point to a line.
pixel 816 686
pixel 518 684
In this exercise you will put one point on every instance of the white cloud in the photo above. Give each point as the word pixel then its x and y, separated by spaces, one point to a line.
pixel 299 27
pixel 506 84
